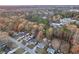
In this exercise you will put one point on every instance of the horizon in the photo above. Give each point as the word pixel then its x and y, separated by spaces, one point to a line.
pixel 37 6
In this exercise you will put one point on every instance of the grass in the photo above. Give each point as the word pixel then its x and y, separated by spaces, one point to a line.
pixel 40 20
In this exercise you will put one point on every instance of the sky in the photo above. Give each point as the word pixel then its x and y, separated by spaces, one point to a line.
pixel 39 2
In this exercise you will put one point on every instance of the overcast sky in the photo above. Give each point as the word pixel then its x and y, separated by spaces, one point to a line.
pixel 39 2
